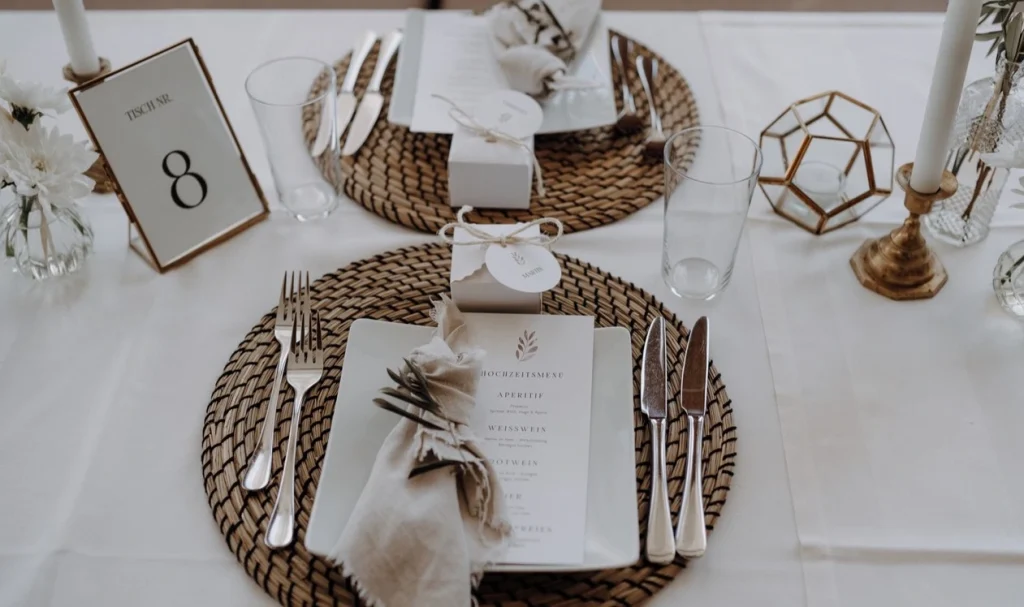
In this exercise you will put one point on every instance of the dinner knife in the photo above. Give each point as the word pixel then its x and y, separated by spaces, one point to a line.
pixel 323 134
pixel 347 97
pixel 660 545
pixel 373 101
pixel 691 537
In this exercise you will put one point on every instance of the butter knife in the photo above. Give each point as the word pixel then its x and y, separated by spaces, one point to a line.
pixel 347 97
pixel 660 545
pixel 373 101
pixel 691 537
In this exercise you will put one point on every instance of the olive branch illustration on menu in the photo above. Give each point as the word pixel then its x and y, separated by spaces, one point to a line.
pixel 527 346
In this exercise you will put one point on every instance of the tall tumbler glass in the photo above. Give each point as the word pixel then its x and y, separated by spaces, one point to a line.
pixel 710 175
pixel 279 91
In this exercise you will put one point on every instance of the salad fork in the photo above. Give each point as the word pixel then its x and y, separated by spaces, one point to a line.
pixel 257 475
pixel 305 368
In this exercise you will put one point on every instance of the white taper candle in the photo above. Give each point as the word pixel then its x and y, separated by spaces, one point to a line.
pixel 71 14
pixel 944 96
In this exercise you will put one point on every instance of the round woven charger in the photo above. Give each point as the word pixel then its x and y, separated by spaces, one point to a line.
pixel 399 286
pixel 592 177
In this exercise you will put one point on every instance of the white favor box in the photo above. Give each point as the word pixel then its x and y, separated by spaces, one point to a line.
pixel 473 287
pixel 489 175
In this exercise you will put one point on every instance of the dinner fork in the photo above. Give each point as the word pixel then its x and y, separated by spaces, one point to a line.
pixel 257 475
pixel 305 368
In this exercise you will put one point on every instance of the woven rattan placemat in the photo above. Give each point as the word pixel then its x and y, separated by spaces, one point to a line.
pixel 399 286
pixel 592 177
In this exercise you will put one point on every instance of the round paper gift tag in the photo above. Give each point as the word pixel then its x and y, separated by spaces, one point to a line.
pixel 510 112
pixel 524 267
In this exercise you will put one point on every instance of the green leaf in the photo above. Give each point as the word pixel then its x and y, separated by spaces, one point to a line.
pixel 412 400
pixel 383 404
pixel 73 217
pixel 994 48
pixel 993 35
pixel 422 379
pixel 26 211
pixel 444 463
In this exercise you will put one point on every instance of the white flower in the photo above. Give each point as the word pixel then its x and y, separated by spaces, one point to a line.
pixel 33 96
pixel 43 162
pixel 1006 159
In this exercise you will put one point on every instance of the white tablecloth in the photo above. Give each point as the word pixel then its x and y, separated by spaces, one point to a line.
pixel 104 378
pixel 899 419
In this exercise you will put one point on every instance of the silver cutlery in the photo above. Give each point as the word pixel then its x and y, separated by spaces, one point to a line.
pixel 373 101
pixel 257 475
pixel 647 69
pixel 323 134
pixel 691 537
pixel 660 544
pixel 347 97
pixel 628 121
pixel 305 368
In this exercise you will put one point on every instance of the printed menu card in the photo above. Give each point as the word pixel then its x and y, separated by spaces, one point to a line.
pixel 457 60
pixel 533 416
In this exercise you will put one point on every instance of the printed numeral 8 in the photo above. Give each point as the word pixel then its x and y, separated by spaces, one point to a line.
pixel 186 173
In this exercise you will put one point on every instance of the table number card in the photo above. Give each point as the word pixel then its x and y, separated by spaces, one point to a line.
pixel 172 155
pixel 535 395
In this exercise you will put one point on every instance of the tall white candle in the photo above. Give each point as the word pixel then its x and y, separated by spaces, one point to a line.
pixel 71 14
pixel 944 96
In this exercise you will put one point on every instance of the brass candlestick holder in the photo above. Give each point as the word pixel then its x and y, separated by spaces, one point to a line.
pixel 71 76
pixel 97 172
pixel 900 265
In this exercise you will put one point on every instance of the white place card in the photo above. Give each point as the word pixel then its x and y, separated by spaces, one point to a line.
pixel 171 153
pixel 534 402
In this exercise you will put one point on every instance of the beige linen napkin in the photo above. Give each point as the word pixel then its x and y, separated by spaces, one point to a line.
pixel 432 514
pixel 536 41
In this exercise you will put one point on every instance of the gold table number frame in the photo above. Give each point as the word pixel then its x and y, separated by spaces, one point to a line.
pixel 137 236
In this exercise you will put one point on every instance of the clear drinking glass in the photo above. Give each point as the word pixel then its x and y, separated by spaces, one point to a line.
pixel 1008 280
pixel 710 174
pixel 279 92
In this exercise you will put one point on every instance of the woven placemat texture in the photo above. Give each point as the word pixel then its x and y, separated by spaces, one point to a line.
pixel 592 177
pixel 399 286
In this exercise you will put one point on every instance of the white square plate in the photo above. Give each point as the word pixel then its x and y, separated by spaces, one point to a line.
pixel 563 112
pixel 358 428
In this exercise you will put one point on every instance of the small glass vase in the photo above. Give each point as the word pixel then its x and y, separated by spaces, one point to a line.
pixel 990 118
pixel 44 243
pixel 1008 280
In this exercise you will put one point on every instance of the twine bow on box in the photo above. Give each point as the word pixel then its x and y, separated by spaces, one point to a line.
pixel 513 237
pixel 493 135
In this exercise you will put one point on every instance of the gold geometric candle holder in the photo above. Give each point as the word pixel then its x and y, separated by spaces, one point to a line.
pixel 828 160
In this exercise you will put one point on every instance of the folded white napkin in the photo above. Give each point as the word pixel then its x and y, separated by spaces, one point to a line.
pixel 432 514
pixel 536 41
